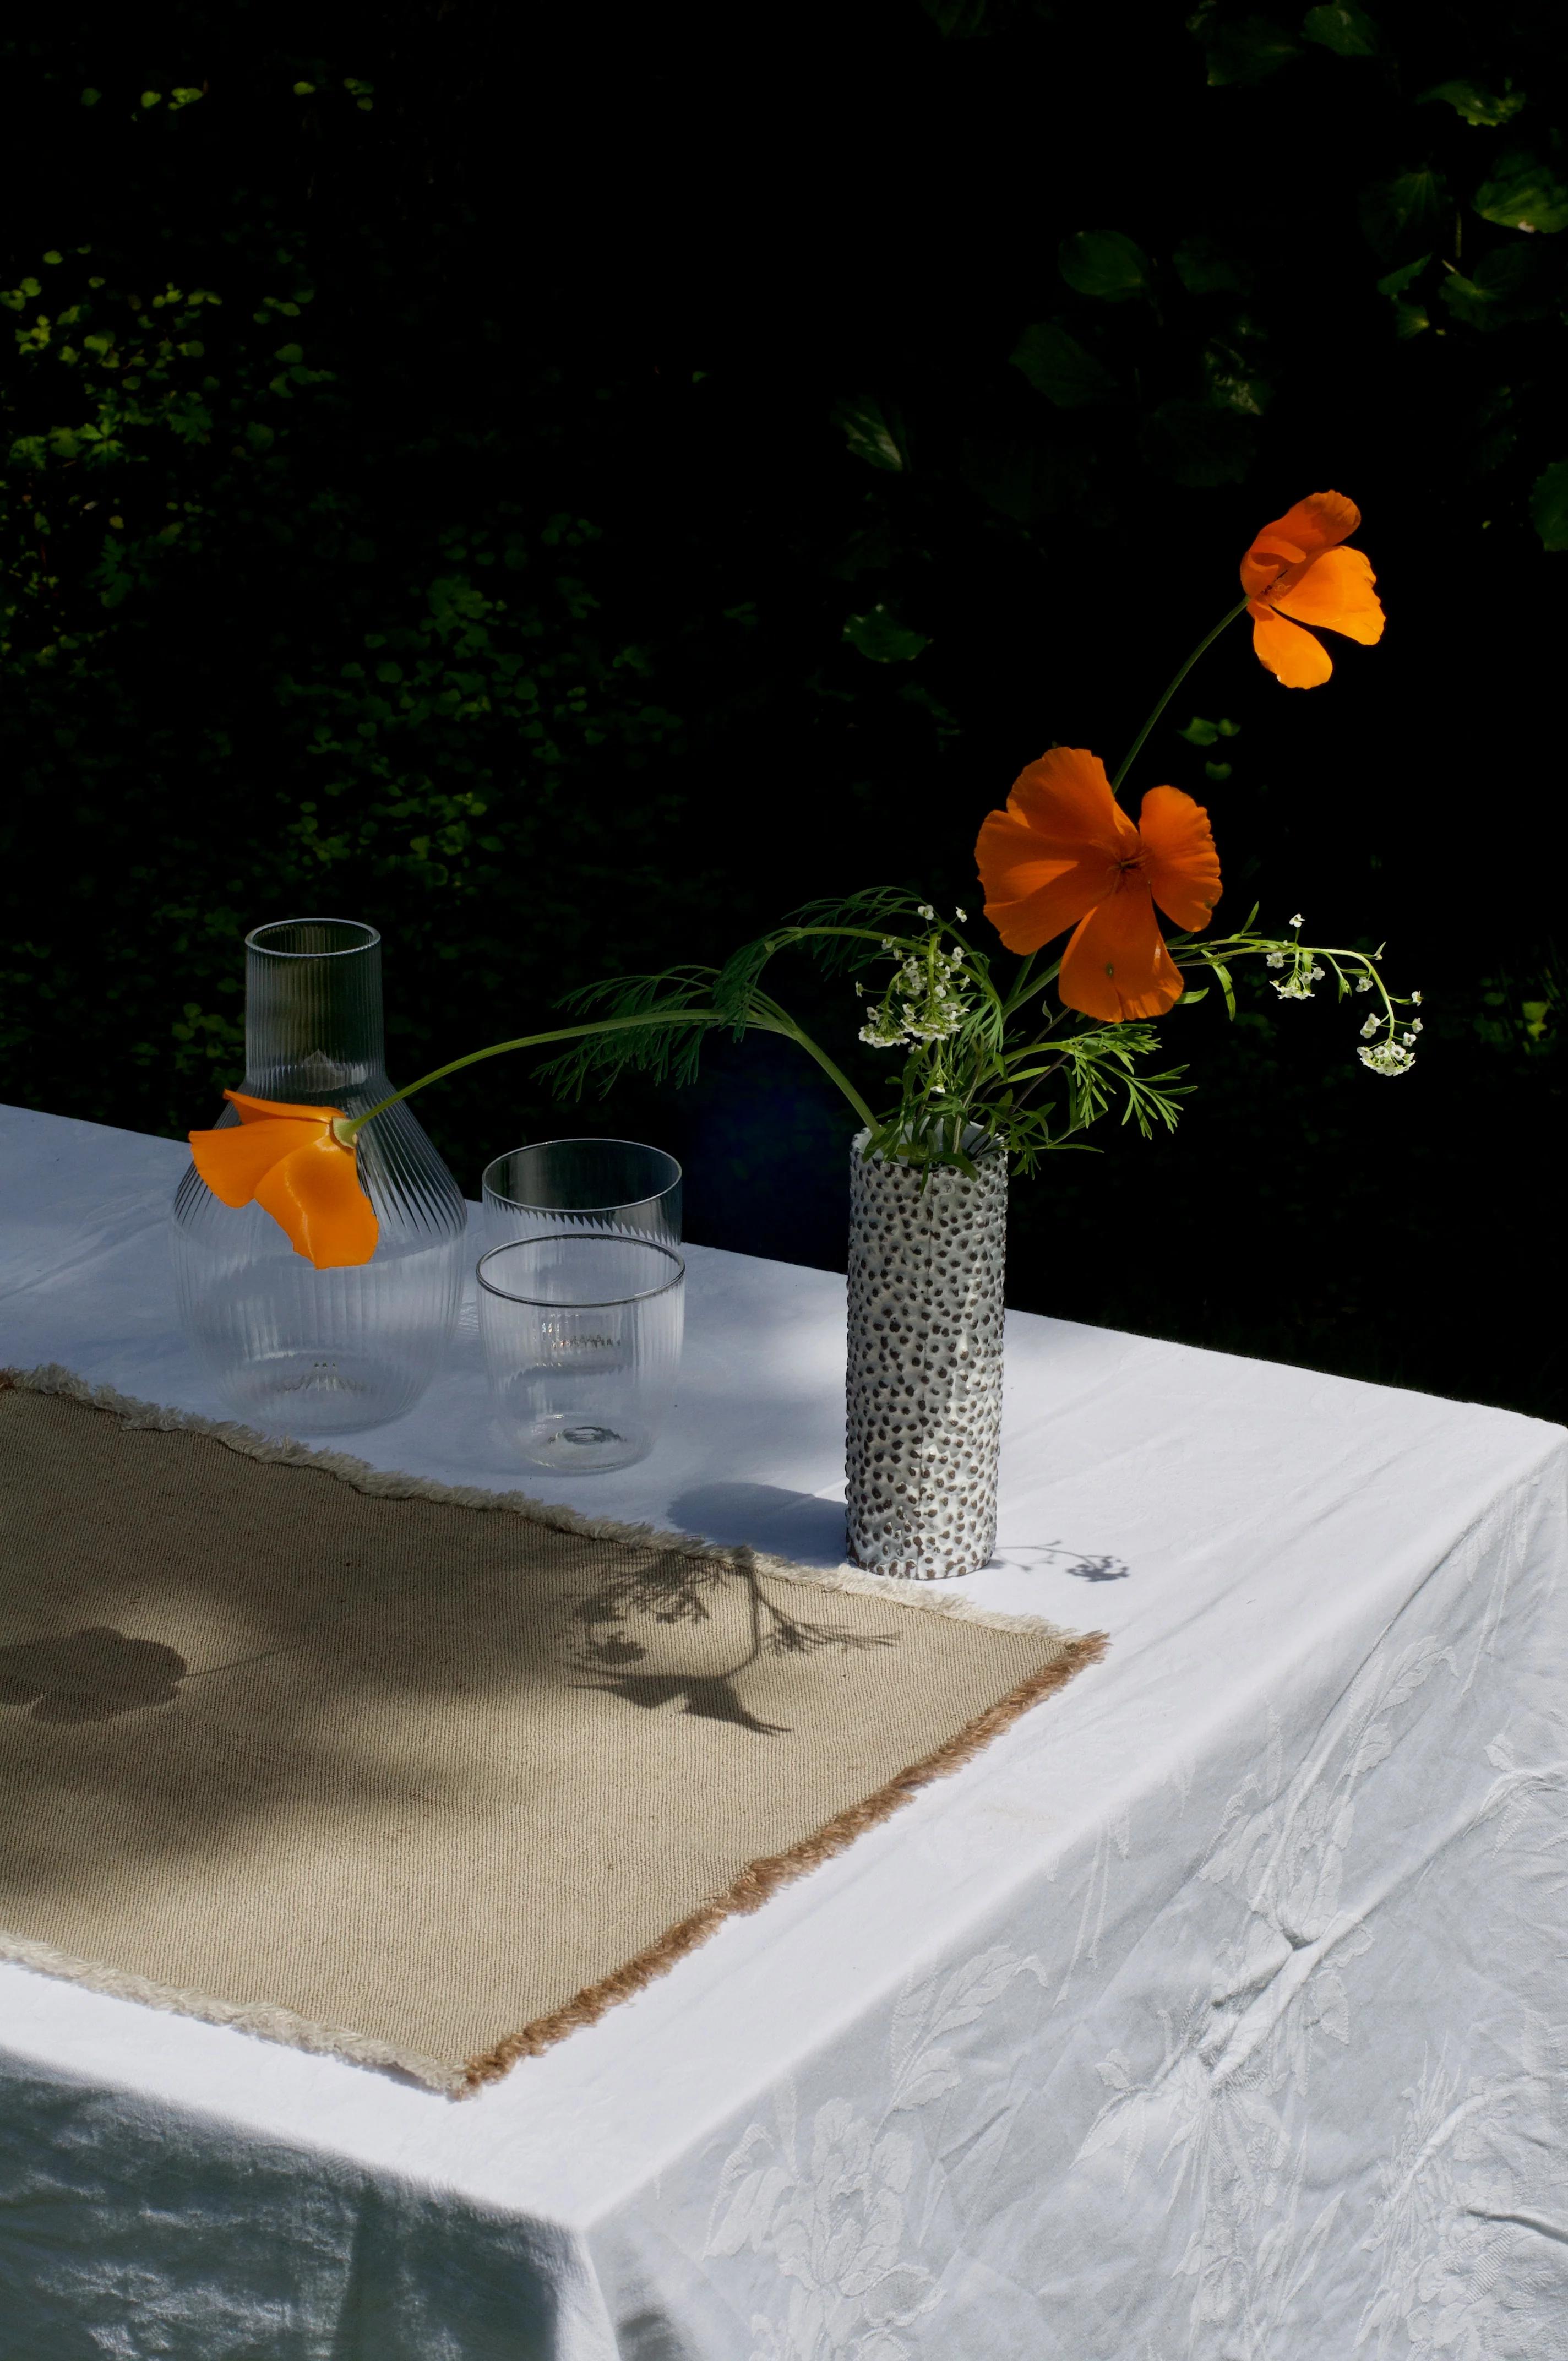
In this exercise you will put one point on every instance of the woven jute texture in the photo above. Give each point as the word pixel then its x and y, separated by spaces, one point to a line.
pixel 424 1777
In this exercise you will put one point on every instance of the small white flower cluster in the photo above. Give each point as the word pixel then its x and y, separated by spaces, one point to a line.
pixel 1396 1053
pixel 1298 984
pixel 1387 1058
pixel 922 1003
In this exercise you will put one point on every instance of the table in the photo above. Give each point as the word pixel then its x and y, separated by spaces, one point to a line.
pixel 1215 2010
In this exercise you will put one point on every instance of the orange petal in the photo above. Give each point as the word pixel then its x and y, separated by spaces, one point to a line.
pixel 1179 859
pixel 1116 965
pixel 234 1161
pixel 1336 593
pixel 1293 656
pixel 1054 852
pixel 265 1110
pixel 315 1197
pixel 1303 532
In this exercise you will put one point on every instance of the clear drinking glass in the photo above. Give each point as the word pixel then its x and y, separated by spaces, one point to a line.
pixel 323 1351
pixel 564 1185
pixel 582 1334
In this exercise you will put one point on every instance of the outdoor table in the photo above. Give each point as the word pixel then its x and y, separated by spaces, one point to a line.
pixel 1214 2009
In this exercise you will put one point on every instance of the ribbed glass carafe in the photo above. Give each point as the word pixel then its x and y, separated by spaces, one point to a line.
pixel 290 1347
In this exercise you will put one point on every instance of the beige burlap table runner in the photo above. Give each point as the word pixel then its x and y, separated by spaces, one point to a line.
pixel 420 1776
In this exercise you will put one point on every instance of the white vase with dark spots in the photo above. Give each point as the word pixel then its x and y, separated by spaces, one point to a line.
pixel 924 1366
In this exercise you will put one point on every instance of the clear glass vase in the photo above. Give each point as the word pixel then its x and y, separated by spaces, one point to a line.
pixel 290 1347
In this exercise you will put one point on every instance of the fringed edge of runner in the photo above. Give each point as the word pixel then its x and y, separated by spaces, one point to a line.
pixel 763 1878
pixel 261 2017
pixel 388 1484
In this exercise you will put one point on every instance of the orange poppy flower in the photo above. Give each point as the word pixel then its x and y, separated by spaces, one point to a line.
pixel 1295 569
pixel 1064 853
pixel 291 1163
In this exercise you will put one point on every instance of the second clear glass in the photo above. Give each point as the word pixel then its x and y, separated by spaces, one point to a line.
pixel 582 1336
pixel 583 1184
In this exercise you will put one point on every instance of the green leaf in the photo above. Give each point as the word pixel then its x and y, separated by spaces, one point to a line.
pixel 1549 505
pixel 53 257
pixel 1409 319
pixel 869 435
pixel 1233 383
pixel 882 638
pixel 152 98
pixel 1206 269
pixel 1216 771
pixel 959 20
pixel 1503 291
pixel 1396 281
pixel 1057 366
pixel 1200 733
pixel 1343 27
pixel 90 97
pixel 291 353
pixel 1104 263
pixel 305 90
pixel 1196 444
pixel 1409 211
pixel 1523 193
pixel 1024 481
pixel 1476 105
pixel 1248 52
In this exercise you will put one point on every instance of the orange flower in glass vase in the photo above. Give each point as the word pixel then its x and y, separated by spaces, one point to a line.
pixel 290 1162
pixel 1296 573
pixel 1064 853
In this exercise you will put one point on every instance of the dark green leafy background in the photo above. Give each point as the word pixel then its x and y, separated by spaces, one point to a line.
pixel 569 500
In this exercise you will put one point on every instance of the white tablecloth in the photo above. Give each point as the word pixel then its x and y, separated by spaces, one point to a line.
pixel 1216 2010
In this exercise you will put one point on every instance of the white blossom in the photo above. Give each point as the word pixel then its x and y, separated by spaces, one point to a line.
pixel 1387 1058
pixel 962 917
pixel 926 911
pixel 1416 998
pixel 1373 1025
pixel 1296 921
pixel 1364 983
pixel 881 1030
pixel 1276 958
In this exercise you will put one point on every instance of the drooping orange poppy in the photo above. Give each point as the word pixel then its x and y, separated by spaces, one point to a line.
pixel 291 1163
pixel 1064 853
pixel 1297 569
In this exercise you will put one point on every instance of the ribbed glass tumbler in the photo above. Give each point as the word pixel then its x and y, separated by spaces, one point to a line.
pixel 564 1185
pixel 583 1339
pixel 290 1347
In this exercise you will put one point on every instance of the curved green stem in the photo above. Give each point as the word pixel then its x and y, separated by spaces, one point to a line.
pixel 1019 981
pixel 790 1031
pixel 1135 749
pixel 348 1130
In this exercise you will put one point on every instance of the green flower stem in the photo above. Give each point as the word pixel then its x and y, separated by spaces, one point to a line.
pixel 347 1130
pixel 1022 992
pixel 1137 745
pixel 792 1032
pixel 1019 981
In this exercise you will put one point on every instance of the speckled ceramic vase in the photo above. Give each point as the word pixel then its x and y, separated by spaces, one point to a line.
pixel 925 1368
